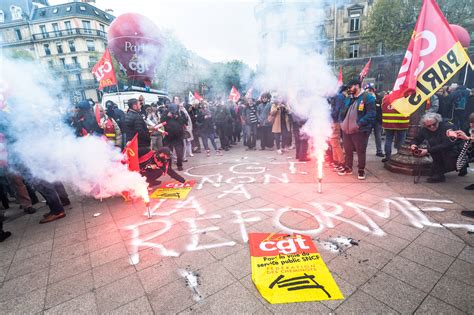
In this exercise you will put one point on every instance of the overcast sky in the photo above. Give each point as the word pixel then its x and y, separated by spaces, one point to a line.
pixel 218 30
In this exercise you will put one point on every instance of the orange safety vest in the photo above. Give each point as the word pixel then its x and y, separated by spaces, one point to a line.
pixel 391 118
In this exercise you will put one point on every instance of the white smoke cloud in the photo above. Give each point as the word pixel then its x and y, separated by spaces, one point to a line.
pixel 47 146
pixel 299 72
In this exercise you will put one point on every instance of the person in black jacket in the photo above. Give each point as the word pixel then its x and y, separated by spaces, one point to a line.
pixel 156 164
pixel 135 124
pixel 84 121
pixel 175 124
pixel 440 147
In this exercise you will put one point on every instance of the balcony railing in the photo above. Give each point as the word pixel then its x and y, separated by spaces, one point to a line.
pixel 70 32
pixel 86 84
pixel 69 67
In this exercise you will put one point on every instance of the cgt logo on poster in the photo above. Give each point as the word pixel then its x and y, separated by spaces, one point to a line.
pixel 287 269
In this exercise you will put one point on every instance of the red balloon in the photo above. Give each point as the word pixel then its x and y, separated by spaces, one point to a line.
pixel 462 34
pixel 136 42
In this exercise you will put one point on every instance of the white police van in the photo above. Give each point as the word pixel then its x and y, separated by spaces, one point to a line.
pixel 121 98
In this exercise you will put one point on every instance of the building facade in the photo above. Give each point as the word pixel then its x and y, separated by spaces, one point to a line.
pixel 68 38
pixel 332 27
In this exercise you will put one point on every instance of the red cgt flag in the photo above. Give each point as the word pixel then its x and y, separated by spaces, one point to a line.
pixel 433 57
pixel 234 94
pixel 197 96
pixel 365 71
pixel 131 150
pixel 340 82
pixel 104 71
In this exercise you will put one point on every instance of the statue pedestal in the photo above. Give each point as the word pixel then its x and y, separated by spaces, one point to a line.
pixel 404 162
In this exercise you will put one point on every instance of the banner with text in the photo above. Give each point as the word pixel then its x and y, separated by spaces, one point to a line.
pixel 288 268
pixel 173 190
pixel 433 57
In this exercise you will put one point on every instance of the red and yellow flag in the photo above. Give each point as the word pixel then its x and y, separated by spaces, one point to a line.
pixel 104 71
pixel 433 56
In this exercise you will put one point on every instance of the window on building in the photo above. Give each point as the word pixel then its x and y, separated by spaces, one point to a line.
pixel 354 20
pixel 74 60
pixel 43 31
pixel 67 25
pixel 354 51
pixel 78 78
pixel 68 9
pixel 96 12
pixel 16 12
pixel 47 51
pixel 86 25
pixel 18 34
pixel 55 10
pixel 63 62
pixel 59 47
pixel 381 49
pixel 83 8
pixel 57 32
pixel 72 45
pixel 102 28
pixel 90 45
pixel 2 17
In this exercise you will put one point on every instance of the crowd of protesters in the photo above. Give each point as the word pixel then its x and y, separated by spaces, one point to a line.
pixel 356 111
pixel 175 131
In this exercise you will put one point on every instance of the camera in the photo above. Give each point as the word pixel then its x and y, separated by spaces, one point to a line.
pixel 416 151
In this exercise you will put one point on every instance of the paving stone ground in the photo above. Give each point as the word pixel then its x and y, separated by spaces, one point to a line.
pixel 414 252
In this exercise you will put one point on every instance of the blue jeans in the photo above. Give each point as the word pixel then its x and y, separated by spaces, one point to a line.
pixel 378 136
pixel 399 135
pixel 211 136
pixel 250 135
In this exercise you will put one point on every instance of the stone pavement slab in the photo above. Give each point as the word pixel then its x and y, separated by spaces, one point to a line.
pixel 413 252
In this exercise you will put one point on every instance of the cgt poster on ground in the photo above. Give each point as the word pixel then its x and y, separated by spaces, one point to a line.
pixel 173 190
pixel 288 268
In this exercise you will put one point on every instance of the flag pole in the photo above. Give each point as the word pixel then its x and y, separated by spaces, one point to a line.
pixel 465 74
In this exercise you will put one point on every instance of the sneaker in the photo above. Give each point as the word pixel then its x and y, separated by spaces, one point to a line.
pixel 29 210
pixel 218 153
pixel 53 217
pixel 180 168
pixel 468 213
pixel 436 179
pixel 380 154
pixel 4 235
pixel 469 187
pixel 190 154
pixel 185 160
pixel 361 174
pixel 208 153
pixel 279 151
pixel 463 171
pixel 384 160
pixel 345 171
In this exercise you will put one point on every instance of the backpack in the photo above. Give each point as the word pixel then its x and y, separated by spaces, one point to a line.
pixel 460 103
